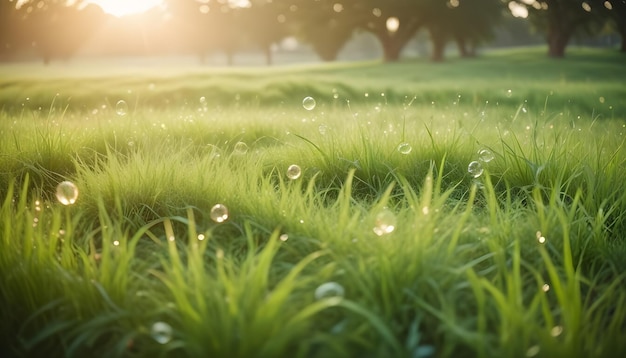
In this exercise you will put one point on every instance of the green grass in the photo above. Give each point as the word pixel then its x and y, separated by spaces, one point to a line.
pixel 528 259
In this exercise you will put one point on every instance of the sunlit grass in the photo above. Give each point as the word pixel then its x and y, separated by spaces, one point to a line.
pixel 527 259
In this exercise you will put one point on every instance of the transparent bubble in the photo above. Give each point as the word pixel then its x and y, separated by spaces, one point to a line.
pixel 308 103
pixel 322 129
pixel 404 148
pixel 202 100
pixel 475 169
pixel 294 172
pixel 329 289
pixel 385 223
pixel 121 108
pixel 161 332
pixel 241 148
pixel 67 193
pixel 485 155
pixel 219 213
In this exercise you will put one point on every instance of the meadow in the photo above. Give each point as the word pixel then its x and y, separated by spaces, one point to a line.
pixel 474 208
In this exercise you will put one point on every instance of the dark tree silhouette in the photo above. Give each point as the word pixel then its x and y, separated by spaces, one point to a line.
pixel 560 20
pixel 615 13
pixel 325 25
pixel 264 23
pixel 56 28
pixel 468 23
pixel 202 26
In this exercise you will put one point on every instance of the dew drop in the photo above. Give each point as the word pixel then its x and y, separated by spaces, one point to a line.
pixel 67 193
pixel 545 287
pixel 201 237
pixel 475 169
pixel 509 93
pixel 161 332
pixel 385 222
pixel 485 155
pixel 241 148
pixel 121 108
pixel 294 172
pixel 329 289
pixel 284 237
pixel 308 103
pixel 219 213
pixel 404 148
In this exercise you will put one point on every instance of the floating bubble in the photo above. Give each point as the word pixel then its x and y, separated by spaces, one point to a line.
pixel 67 193
pixel 385 223
pixel 241 148
pixel 219 213
pixel 121 108
pixel 322 129
pixel 404 148
pixel 475 169
pixel 203 100
pixel 308 103
pixel 485 155
pixel 509 93
pixel 329 289
pixel 161 332
pixel 294 172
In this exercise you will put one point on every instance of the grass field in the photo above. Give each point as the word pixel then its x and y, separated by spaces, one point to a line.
pixel 474 208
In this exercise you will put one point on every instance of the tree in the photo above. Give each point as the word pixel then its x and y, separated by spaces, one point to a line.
pixel 325 25
pixel 56 28
pixel 204 26
pixel 9 28
pixel 615 13
pixel 559 20
pixel 468 23
pixel 393 22
pixel 265 25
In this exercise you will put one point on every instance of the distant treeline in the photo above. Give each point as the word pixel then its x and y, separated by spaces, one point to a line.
pixel 56 29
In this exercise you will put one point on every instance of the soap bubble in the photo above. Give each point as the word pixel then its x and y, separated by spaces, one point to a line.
pixel 308 103
pixel 385 223
pixel 475 169
pixel 485 155
pixel 241 148
pixel 219 213
pixel 121 108
pixel 329 289
pixel 161 332
pixel 67 193
pixel 294 172
pixel 404 148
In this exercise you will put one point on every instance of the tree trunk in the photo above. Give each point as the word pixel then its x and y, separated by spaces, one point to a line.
pixel 462 46
pixel 438 41
pixel 557 42
pixel 391 50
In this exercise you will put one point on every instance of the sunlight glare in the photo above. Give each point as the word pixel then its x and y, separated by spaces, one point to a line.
pixel 121 8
